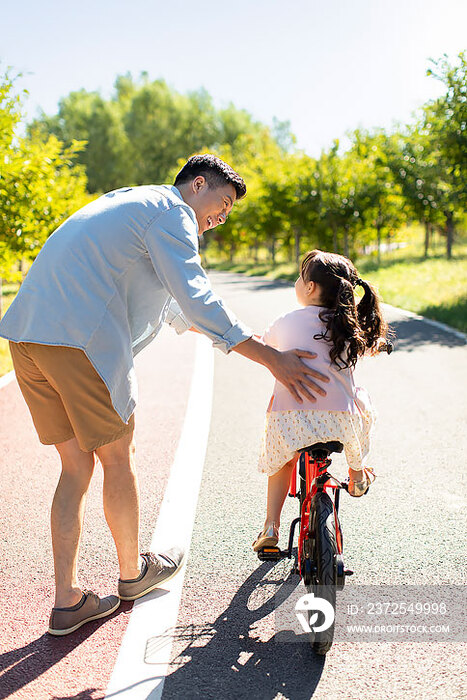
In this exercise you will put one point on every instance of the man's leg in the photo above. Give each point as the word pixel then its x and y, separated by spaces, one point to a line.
pixel 67 519
pixel 121 501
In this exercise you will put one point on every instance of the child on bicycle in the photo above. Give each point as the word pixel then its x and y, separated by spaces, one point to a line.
pixel 339 331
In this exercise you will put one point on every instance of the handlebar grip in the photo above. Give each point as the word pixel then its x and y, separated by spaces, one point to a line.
pixel 386 346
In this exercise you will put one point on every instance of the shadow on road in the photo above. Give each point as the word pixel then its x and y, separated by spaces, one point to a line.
pixel 226 660
pixel 248 283
pixel 21 666
pixel 411 333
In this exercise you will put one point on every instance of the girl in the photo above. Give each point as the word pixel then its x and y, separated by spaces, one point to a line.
pixel 339 331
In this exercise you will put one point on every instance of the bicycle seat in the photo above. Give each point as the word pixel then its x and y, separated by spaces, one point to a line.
pixel 333 446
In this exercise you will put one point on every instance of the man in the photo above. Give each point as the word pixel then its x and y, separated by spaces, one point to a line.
pixel 97 293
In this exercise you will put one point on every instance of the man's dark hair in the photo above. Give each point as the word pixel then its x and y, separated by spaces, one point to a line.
pixel 216 172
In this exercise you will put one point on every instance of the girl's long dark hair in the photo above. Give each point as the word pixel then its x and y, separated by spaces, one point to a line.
pixel 352 329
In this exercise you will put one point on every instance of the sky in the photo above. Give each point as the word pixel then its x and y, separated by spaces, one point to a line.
pixel 327 66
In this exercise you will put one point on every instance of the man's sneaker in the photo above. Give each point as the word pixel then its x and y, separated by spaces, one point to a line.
pixel 90 607
pixel 158 568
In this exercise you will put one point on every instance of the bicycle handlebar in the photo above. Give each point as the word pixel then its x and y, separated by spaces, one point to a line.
pixel 386 346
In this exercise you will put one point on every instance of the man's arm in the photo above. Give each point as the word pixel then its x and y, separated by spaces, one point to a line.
pixel 172 245
pixel 287 367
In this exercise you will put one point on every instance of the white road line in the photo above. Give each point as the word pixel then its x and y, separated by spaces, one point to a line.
pixel 144 655
pixel 7 378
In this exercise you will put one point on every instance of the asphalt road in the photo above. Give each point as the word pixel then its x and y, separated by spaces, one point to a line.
pixel 408 530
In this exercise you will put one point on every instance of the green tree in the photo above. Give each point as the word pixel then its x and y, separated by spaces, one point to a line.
pixel 39 186
pixel 300 203
pixel 417 170
pixel 10 114
pixel 379 203
pixel 340 188
pixel 97 124
pixel 444 124
pixel 139 134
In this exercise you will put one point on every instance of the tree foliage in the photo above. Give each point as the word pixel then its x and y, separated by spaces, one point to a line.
pixel 138 135
pixel 39 184
pixel 444 125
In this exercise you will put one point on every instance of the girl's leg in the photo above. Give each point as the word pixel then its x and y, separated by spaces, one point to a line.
pixel 278 486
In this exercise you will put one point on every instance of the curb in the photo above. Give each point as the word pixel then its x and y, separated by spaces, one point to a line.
pixel 436 324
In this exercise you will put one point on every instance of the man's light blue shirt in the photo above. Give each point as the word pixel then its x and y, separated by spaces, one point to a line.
pixel 110 275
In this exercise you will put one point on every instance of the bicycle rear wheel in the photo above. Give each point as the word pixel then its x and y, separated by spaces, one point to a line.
pixel 324 550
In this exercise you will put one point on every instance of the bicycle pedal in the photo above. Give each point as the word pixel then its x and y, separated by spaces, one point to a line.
pixel 270 554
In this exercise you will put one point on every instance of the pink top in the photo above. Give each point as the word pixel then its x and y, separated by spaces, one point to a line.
pixel 296 330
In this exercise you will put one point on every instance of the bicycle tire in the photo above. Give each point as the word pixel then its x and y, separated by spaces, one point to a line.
pixel 324 550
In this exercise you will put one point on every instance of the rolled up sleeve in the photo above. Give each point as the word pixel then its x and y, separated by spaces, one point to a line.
pixel 175 318
pixel 172 243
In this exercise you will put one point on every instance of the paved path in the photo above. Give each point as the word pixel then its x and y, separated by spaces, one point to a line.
pixel 408 530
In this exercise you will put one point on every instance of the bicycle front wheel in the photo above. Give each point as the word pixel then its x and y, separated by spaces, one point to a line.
pixel 324 577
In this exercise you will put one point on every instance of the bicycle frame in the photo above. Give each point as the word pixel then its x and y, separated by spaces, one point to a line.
pixel 317 479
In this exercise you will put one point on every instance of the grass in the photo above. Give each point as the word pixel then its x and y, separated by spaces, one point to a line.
pixel 434 287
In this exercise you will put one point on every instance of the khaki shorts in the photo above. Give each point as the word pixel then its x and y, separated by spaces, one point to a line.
pixel 66 396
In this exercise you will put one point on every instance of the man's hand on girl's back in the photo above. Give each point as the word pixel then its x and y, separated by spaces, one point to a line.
pixel 287 367
pixel 295 374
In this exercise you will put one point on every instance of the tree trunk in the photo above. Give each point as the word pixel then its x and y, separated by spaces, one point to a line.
pixel 297 246
pixel 334 238
pixel 427 238
pixel 273 250
pixel 449 234
pixel 378 235
pixel 231 252
pixel 346 242
pixel 1 298
pixel 256 251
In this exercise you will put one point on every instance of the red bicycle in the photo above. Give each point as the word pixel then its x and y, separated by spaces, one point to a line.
pixel 320 561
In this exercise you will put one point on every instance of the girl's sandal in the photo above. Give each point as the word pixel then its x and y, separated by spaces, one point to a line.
pixel 269 537
pixel 360 488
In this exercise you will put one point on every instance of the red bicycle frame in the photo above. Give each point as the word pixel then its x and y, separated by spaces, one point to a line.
pixel 313 469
